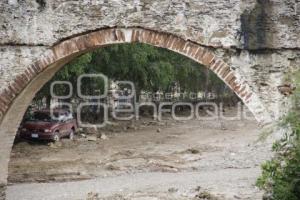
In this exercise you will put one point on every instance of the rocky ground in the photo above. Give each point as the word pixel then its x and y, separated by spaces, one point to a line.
pixel 144 160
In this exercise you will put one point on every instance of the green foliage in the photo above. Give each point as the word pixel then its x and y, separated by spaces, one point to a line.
pixel 68 73
pixel 281 175
pixel 150 68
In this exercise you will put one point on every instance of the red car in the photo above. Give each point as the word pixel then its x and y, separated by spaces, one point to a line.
pixel 43 125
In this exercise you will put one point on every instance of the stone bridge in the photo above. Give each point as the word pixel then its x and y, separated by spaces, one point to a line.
pixel 251 45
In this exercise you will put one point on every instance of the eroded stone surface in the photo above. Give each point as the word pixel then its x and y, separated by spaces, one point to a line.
pixel 83 43
pixel 29 28
pixel 2 192
pixel 270 24
pixel 258 40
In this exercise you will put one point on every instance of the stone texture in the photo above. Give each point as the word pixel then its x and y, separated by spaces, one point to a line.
pixel 270 24
pixel 251 36
pixel 265 72
pixel 252 45
pixel 83 43
pixel 2 192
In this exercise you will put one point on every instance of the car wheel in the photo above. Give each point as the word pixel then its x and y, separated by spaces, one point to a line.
pixel 56 137
pixel 71 135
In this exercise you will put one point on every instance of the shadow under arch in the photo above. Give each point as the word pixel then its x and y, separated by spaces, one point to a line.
pixel 20 92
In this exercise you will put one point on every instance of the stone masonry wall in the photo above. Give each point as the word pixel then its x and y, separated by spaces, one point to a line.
pixel 256 36
pixel 258 39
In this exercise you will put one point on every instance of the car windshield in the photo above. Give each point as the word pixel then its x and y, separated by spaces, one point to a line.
pixel 41 116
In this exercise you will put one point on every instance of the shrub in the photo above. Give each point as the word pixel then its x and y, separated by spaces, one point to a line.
pixel 281 175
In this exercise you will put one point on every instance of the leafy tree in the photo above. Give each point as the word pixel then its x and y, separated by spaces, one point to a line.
pixel 150 68
pixel 70 72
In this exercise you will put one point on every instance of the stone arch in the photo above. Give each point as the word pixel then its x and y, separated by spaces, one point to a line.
pixel 15 98
pixel 89 41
